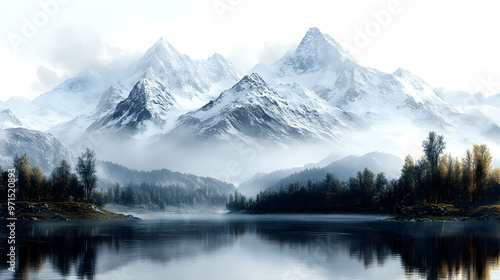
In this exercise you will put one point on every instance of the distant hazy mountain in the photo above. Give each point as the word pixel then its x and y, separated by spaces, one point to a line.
pixel 9 120
pixel 42 148
pixel 342 169
pixel 75 96
pixel 111 173
pixel 262 181
pixel 477 104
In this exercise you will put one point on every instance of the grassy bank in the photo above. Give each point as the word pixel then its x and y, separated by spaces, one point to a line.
pixel 59 211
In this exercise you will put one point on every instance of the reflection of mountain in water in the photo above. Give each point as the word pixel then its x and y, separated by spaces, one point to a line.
pixel 428 250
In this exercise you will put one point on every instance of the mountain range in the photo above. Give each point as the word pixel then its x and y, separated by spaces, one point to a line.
pixel 170 110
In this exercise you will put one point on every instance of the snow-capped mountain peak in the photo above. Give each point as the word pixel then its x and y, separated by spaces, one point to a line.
pixel 148 101
pixel 316 42
pixel 251 109
pixel 163 54
pixel 82 81
pixel 316 51
pixel 9 120
pixel 249 82
pixel 75 96
pixel 400 72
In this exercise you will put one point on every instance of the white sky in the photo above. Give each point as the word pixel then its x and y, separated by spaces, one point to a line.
pixel 452 44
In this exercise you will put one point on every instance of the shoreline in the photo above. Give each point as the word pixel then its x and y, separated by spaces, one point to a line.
pixel 60 211
pixel 420 212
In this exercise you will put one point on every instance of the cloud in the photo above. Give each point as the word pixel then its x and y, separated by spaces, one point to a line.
pixel 246 55
pixel 70 50
pixel 45 78
pixel 73 49
pixel 274 49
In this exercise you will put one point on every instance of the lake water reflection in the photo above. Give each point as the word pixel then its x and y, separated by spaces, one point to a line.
pixel 289 247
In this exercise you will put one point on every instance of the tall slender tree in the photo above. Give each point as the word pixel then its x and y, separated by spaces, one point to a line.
pixel 482 167
pixel 86 169
pixel 408 179
pixel 433 148
pixel 22 166
pixel 381 183
pixel 467 187
pixel 37 183
pixel 61 181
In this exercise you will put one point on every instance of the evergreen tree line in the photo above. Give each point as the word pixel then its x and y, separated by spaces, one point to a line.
pixel 434 178
pixel 63 184
pixel 367 191
pixel 151 196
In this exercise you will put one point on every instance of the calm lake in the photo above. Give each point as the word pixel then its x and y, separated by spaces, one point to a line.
pixel 288 247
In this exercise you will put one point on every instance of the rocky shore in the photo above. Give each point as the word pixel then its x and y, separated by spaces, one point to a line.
pixel 432 212
pixel 60 211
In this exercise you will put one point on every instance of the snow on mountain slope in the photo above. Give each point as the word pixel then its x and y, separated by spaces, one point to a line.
pixel 474 104
pixel 167 74
pixel 253 111
pixel 9 120
pixel 75 96
pixel 148 101
pixel 42 148
pixel 17 105
pixel 179 74
pixel 321 65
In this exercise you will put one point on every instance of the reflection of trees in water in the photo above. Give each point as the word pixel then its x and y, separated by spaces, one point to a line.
pixel 466 252
pixel 75 247
pixel 430 250
pixel 64 247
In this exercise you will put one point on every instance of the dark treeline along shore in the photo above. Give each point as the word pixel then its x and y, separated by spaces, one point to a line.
pixel 460 183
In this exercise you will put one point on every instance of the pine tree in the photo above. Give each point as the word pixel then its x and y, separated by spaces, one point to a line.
pixel 381 183
pixel 367 186
pixel 61 181
pixel 76 190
